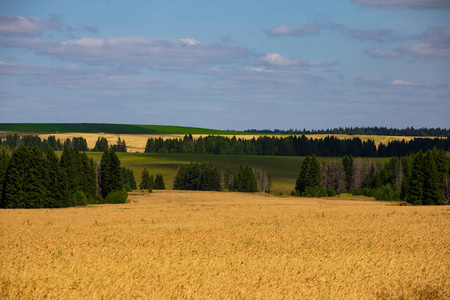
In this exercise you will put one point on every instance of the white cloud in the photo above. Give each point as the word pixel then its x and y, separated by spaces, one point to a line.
pixel 304 30
pixel 23 26
pixel 377 53
pixel 277 60
pixel 321 64
pixel 170 54
pixel 425 50
pixel 22 69
pixel 405 3
pixel 380 35
pixel 387 86
pixel 401 82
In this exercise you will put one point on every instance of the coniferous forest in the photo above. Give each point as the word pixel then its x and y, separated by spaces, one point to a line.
pixel 33 178
pixel 329 146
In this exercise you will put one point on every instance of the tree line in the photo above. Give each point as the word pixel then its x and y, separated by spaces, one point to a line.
pixel 34 178
pixel 14 141
pixel 419 179
pixel 408 131
pixel 206 177
pixel 329 146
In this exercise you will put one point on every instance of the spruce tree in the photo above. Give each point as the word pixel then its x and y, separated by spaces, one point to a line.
pixel 159 182
pixel 302 179
pixel 414 192
pixel 245 180
pixel 145 180
pixel 314 177
pixel 110 174
pixel 347 162
pixel 25 185
pixel 56 180
pixel 4 162
pixel 433 192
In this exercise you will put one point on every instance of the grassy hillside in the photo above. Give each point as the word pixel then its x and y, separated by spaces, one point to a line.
pixel 283 169
pixel 105 128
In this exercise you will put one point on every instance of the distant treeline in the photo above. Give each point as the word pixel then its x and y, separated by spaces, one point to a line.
pixel 419 179
pixel 293 146
pixel 33 178
pixel 14 141
pixel 408 131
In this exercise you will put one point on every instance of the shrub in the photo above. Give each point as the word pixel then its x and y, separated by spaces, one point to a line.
pixel 98 199
pixel 316 191
pixel 116 197
pixel 79 198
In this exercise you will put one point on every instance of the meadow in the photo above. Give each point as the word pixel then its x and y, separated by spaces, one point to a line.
pixel 178 245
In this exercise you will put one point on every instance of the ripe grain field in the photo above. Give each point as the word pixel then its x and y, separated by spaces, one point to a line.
pixel 178 245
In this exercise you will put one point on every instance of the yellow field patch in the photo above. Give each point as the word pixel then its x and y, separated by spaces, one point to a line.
pixel 173 244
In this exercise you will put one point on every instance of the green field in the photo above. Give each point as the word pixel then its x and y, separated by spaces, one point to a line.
pixel 106 128
pixel 283 169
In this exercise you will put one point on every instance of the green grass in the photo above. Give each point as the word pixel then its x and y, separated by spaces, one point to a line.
pixel 106 128
pixel 283 169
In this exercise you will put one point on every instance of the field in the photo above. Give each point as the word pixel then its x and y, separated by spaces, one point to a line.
pixel 283 169
pixel 177 245
pixel 105 128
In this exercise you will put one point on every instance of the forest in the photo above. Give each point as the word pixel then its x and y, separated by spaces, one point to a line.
pixel 33 178
pixel 80 143
pixel 329 146
pixel 418 179
pixel 409 131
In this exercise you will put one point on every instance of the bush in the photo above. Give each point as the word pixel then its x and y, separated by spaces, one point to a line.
pixel 384 193
pixel 316 191
pixel 116 197
pixel 98 199
pixel 79 198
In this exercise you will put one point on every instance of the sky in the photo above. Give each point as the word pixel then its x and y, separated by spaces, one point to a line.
pixel 226 64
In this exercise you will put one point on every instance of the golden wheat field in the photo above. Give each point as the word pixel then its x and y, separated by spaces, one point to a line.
pixel 212 245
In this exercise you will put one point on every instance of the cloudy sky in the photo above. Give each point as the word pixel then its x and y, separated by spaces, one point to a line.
pixel 227 64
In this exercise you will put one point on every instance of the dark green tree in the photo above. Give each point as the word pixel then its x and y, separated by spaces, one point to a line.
pixel 159 183
pixel 101 144
pixel 145 180
pixel 25 185
pixel 414 190
pixel 110 175
pixel 4 162
pixel 302 179
pixel 245 180
pixel 56 181
pixel 347 162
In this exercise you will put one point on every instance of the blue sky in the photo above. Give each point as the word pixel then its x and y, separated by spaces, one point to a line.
pixel 227 64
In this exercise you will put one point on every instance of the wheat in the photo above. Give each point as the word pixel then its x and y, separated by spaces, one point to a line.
pixel 172 244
